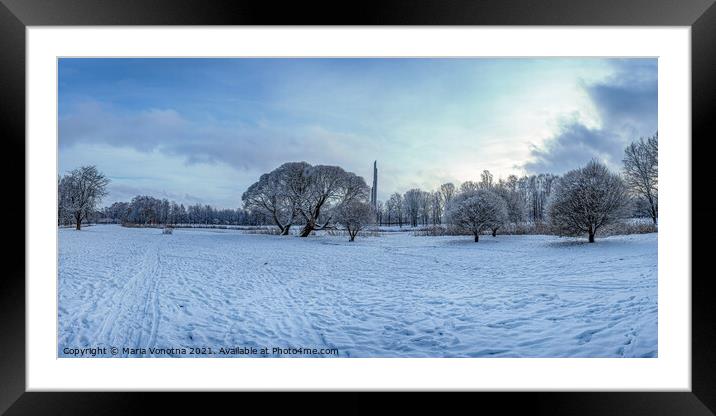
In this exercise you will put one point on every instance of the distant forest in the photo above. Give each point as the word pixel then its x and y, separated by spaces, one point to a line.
pixel 526 200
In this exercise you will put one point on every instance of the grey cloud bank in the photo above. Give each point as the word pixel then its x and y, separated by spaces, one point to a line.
pixel 245 147
pixel 626 104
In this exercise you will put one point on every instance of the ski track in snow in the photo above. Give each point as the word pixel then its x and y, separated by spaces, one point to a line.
pixel 391 296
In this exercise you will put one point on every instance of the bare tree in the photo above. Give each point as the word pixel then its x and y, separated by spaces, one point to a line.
pixel 395 206
pixel 425 205
pixel 411 201
pixel 641 172
pixel 535 191
pixel 354 215
pixel 379 211
pixel 80 191
pixel 586 200
pixel 515 204
pixel 447 191
pixel 63 216
pixel 475 211
pixel 436 206
pixel 469 186
pixel 486 179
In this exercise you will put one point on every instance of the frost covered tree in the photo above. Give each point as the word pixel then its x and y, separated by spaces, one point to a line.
pixel 144 209
pixel 475 211
pixel 486 179
pixel 64 217
pixel 354 215
pixel 437 206
pixel 425 207
pixel 586 200
pixel 147 210
pixel 395 208
pixel 80 191
pixel 118 212
pixel 411 203
pixel 279 194
pixel 641 172
pixel 379 211
pixel 502 216
pixel 323 186
pixel 447 191
pixel 469 186
pixel 535 191
pixel 174 213
pixel 507 189
pixel 164 211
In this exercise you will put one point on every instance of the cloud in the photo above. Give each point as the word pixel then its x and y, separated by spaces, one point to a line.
pixel 573 146
pixel 628 100
pixel 425 121
pixel 91 122
pixel 258 147
pixel 627 106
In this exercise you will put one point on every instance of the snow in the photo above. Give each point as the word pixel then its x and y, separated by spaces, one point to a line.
pixel 396 295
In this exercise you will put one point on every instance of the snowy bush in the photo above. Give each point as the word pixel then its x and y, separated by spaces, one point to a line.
pixel 167 230
pixel 630 226
pixel 586 200
pixel 344 233
pixel 476 211
pixel 440 231
pixel 528 228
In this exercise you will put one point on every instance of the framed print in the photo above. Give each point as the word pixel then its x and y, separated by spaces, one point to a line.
pixel 462 197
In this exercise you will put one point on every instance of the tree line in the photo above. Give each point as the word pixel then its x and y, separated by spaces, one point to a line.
pixel 526 199
pixel 147 210
pixel 581 201
pixel 81 190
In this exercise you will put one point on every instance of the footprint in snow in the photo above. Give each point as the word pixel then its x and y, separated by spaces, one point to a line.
pixel 586 336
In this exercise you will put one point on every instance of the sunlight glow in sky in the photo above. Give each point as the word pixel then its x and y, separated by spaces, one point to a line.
pixel 203 130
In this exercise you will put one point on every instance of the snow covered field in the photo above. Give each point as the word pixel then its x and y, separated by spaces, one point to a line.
pixel 391 296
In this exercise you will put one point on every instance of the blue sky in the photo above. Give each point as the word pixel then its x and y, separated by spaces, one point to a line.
pixel 203 130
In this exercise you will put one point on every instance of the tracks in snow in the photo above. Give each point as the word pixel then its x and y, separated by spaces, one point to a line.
pixel 395 296
pixel 133 313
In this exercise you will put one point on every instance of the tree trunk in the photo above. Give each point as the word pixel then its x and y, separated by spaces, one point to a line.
pixel 494 232
pixel 285 230
pixel 591 237
pixel 78 221
pixel 306 231
pixel 652 209
pixel 477 237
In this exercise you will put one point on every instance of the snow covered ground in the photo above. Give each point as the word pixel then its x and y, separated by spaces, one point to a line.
pixel 391 296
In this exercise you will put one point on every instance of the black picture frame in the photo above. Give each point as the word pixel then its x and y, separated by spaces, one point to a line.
pixel 16 15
